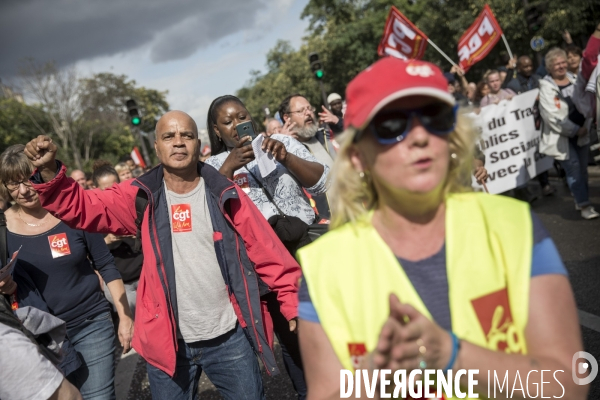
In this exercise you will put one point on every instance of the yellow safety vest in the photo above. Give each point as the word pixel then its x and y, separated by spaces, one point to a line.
pixel 351 271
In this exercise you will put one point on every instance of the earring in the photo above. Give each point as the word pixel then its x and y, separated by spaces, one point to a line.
pixel 453 160
pixel 364 179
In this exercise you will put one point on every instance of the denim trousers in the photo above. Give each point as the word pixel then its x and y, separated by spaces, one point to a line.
pixel 228 361
pixel 576 171
pixel 94 341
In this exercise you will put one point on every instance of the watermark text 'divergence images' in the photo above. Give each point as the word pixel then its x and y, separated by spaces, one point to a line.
pixel 433 384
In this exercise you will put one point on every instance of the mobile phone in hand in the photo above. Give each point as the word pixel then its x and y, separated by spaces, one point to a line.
pixel 246 129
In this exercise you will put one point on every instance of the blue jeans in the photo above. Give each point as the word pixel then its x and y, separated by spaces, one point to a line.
pixel 577 174
pixel 94 341
pixel 228 361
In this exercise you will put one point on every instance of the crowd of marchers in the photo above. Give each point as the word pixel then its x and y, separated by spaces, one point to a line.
pixel 363 247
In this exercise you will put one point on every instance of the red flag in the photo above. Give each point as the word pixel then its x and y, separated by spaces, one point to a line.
pixel 137 158
pixel 401 38
pixel 479 39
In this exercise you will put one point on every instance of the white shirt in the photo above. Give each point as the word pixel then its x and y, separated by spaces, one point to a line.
pixel 281 184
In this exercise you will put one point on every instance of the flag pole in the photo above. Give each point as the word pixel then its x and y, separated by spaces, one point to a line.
pixel 507 46
pixel 441 52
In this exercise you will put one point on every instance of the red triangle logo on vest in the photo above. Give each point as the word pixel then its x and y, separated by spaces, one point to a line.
pixel 495 317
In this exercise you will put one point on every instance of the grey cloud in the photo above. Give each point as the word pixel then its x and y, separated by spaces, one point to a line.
pixel 67 31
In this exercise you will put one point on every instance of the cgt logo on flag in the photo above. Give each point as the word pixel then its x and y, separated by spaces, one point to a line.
pixel 59 245
pixel 479 39
pixel 401 38
pixel 181 217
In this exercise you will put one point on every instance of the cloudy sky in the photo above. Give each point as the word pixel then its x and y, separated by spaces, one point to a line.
pixel 195 49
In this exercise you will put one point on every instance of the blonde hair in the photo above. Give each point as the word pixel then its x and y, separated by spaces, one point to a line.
pixel 351 196
pixel 14 166
pixel 552 55
pixel 121 167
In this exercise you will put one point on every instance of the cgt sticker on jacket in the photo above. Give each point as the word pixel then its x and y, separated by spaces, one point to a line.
pixel 357 353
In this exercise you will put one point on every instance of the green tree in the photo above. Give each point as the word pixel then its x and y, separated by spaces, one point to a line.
pixel 104 123
pixel 20 122
pixel 87 116
pixel 346 33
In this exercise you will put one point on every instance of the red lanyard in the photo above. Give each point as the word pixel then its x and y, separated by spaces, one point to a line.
pixel 14 303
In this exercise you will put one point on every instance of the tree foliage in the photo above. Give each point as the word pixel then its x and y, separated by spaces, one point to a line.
pixel 20 122
pixel 346 34
pixel 86 117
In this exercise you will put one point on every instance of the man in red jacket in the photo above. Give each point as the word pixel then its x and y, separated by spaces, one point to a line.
pixel 208 257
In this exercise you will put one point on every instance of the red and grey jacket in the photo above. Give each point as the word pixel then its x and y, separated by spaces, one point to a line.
pixel 252 259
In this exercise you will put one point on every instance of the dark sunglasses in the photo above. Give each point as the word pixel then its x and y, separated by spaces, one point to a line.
pixel 393 126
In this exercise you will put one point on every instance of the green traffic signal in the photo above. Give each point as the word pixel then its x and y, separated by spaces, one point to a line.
pixel 136 121
pixel 319 73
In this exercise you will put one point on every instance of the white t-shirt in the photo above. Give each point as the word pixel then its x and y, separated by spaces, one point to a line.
pixel 26 373
pixel 203 305
pixel 281 184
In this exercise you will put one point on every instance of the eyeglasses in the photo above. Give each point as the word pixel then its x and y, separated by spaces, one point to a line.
pixel 393 126
pixel 15 185
pixel 303 111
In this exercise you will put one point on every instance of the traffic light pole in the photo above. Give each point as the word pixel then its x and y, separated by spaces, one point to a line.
pixel 142 145
pixel 538 55
pixel 323 94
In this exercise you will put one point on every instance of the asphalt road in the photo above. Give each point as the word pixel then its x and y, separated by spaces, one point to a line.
pixel 578 242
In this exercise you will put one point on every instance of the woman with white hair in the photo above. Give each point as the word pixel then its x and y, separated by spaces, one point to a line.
pixel 564 134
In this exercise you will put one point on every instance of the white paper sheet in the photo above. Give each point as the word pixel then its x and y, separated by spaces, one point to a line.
pixel 266 162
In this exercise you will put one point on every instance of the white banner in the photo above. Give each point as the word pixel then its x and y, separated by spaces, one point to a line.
pixel 509 140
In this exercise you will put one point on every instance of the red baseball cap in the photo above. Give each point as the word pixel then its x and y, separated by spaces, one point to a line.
pixel 390 79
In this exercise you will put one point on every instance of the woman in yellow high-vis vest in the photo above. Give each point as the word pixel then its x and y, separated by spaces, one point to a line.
pixel 418 272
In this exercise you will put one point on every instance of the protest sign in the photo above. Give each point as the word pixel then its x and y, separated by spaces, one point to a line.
pixel 479 39
pixel 401 38
pixel 510 141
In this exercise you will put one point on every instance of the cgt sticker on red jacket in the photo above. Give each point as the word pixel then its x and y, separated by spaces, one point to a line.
pixel 59 245
pixel 181 218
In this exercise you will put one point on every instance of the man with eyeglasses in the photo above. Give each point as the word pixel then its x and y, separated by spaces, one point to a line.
pixel 299 118
pixel 297 110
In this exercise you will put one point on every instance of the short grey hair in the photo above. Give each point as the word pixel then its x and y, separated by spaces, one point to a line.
pixel 552 55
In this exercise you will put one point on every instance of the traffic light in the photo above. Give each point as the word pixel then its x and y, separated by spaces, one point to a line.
pixel 534 14
pixel 315 65
pixel 134 115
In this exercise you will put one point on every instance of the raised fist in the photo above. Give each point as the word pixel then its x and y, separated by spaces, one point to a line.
pixel 42 152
